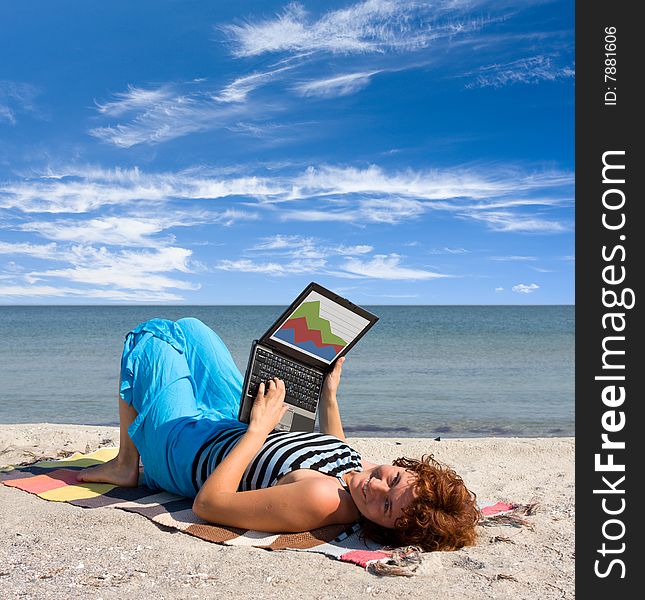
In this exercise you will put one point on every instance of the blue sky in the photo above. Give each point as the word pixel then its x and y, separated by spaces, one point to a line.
pixel 185 152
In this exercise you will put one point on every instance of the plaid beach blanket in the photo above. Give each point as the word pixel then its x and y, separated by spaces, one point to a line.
pixel 55 480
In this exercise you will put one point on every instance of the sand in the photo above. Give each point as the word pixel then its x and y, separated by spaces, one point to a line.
pixel 56 550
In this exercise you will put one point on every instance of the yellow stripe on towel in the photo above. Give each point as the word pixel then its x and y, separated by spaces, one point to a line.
pixel 77 492
pixel 80 460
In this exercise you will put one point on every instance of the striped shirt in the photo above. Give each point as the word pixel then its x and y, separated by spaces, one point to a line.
pixel 281 453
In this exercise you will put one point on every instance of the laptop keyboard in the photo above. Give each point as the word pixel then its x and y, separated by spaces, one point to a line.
pixel 302 384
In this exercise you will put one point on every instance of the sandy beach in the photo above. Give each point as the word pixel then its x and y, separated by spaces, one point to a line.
pixel 56 550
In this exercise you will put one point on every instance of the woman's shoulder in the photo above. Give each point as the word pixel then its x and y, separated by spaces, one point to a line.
pixel 336 503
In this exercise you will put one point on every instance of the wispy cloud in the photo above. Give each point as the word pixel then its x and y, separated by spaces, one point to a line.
pixel 446 250
pixel 111 230
pixel 387 267
pixel 523 288
pixel 276 269
pixel 517 223
pixel 6 114
pixel 134 98
pixel 513 258
pixel 17 98
pixel 430 184
pixel 132 275
pixel 382 267
pixel 143 267
pixel 306 247
pixel 35 292
pixel 46 251
pixel 80 190
pixel 299 254
pixel 331 87
pixel 168 119
pixel 238 90
pixel 326 193
pixel 174 110
pixel 391 210
pixel 534 69
pixel 125 270
pixel 372 26
pixel 370 36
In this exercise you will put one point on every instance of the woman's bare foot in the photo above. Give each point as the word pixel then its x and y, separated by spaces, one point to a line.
pixel 116 471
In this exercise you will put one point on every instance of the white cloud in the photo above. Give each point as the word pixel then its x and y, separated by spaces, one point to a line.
pixel 372 26
pixel 279 242
pixel 123 231
pixel 129 230
pixel 46 291
pixel 240 88
pixel 534 69
pixel 167 118
pixel 272 268
pixel 522 288
pixel 125 270
pixel 377 28
pixel 341 194
pixel 513 258
pixel 79 190
pixel 391 210
pixel 499 289
pixel 313 215
pixel 408 194
pixel 306 247
pixel 383 266
pixel 446 250
pixel 134 98
pixel 340 85
pixel 428 184
pixel 358 249
pixel 513 222
pixel 46 251
pixel 386 267
pixel 6 114
pixel 17 97
pixel 126 275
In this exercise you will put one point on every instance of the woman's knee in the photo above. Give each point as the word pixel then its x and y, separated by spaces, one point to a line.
pixel 198 333
pixel 193 327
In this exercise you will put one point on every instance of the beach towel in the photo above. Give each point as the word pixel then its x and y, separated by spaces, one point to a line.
pixel 55 480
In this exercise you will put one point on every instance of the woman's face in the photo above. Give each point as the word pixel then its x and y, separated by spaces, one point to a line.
pixel 382 492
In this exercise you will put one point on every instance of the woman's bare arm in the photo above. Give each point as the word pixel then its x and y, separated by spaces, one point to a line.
pixel 267 411
pixel 330 422
pixel 329 412
pixel 293 507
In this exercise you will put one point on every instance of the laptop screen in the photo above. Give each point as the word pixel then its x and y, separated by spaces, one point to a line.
pixel 320 327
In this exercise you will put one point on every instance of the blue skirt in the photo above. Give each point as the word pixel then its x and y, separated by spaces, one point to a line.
pixel 182 381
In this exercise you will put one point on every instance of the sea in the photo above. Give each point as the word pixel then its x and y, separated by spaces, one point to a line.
pixel 421 371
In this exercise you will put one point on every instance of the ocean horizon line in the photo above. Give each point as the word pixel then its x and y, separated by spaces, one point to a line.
pixel 143 305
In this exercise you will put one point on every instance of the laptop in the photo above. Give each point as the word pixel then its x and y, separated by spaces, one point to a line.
pixel 301 347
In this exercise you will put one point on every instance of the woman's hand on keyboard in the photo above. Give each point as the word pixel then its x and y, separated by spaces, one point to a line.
pixel 268 407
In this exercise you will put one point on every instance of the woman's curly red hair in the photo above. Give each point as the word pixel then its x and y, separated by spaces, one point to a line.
pixel 442 516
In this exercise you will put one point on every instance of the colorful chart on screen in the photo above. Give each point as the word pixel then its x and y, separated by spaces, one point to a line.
pixel 320 327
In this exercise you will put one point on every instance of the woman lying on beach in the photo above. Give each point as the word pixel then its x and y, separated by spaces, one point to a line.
pixel 179 398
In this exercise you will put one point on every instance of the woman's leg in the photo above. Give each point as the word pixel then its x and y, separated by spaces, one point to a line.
pixel 123 470
pixel 178 381
pixel 216 378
